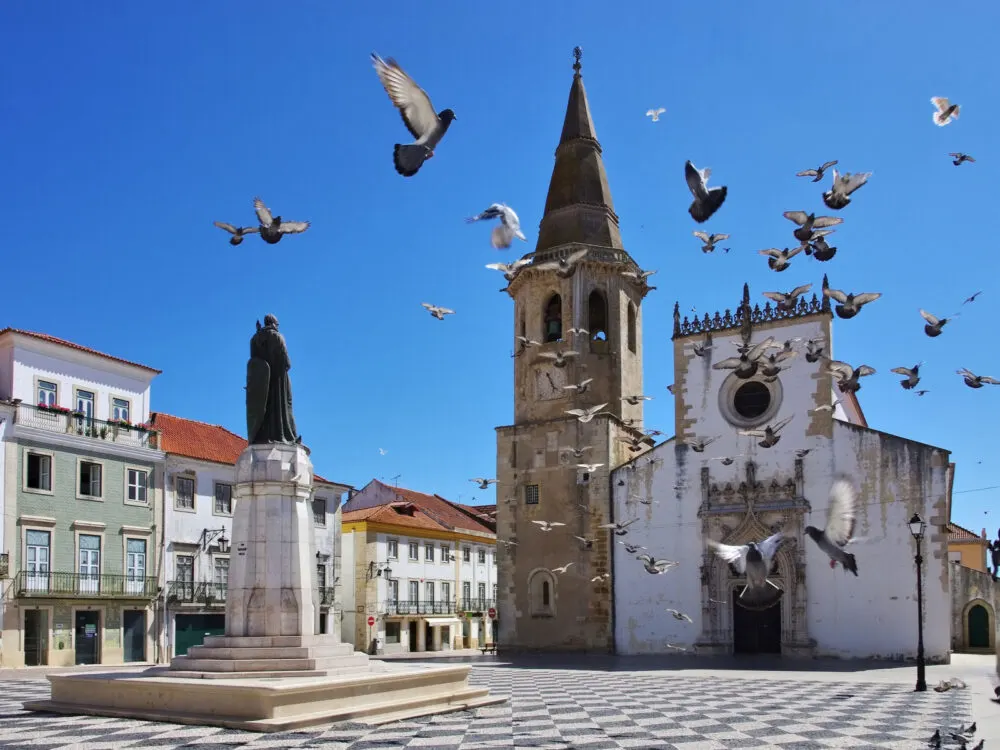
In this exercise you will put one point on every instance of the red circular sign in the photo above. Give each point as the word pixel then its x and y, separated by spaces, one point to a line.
pixel 492 613
pixel 371 620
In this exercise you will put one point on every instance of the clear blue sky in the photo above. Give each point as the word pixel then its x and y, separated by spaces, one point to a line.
pixel 127 130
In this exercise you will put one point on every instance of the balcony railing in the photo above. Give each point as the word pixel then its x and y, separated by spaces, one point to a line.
pixel 195 592
pixel 476 604
pixel 84 585
pixel 68 422
pixel 326 596
pixel 417 608
pixel 4 566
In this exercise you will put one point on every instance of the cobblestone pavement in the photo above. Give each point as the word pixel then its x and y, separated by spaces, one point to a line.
pixel 573 709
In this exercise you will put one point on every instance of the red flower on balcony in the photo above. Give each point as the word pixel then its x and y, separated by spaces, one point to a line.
pixel 53 407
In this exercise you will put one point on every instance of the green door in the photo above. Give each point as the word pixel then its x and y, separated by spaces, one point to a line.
pixel 190 630
pixel 979 627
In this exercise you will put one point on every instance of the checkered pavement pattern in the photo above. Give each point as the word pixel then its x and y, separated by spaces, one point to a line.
pixel 562 709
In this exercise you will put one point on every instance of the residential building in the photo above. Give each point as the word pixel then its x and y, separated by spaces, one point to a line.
pixel 975 593
pixel 424 568
pixel 200 471
pixel 968 548
pixel 80 470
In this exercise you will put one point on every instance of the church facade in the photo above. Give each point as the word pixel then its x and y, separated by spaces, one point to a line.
pixel 568 583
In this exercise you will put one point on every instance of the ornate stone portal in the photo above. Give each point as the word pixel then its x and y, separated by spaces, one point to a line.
pixel 751 511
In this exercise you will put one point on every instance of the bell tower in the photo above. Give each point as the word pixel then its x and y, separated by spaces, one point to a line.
pixel 579 304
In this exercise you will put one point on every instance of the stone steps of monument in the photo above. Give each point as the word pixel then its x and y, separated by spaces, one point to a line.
pixel 354 662
pixel 280 652
pixel 274 641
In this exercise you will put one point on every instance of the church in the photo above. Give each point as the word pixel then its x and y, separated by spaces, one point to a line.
pixel 564 478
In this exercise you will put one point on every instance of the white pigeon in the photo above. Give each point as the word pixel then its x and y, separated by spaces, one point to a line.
pixel 656 567
pixel 437 312
pixel 418 115
pixel 508 228
pixel 706 200
pixel 841 517
pixel 946 111
pixel 753 559
pixel 585 415
pixel 655 113
pixel 509 270
pixel 548 525
pixel 562 568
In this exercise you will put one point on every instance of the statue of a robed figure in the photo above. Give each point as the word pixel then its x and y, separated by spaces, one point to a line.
pixel 269 389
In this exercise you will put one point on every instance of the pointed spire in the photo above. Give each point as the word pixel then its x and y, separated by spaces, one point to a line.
pixel 578 207
pixel 826 300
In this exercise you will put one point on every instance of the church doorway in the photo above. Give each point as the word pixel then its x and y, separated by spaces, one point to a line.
pixel 979 627
pixel 756 623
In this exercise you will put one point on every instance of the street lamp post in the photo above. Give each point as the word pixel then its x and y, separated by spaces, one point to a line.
pixel 917 528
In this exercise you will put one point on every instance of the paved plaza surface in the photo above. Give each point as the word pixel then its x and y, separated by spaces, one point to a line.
pixel 602 703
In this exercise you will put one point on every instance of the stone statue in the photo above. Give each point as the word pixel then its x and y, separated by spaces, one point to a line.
pixel 269 390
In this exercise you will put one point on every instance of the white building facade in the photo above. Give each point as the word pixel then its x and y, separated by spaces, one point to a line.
pixel 736 491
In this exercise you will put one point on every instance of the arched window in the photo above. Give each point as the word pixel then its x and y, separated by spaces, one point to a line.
pixel 597 316
pixel 552 325
pixel 541 593
pixel 522 328
pixel 631 327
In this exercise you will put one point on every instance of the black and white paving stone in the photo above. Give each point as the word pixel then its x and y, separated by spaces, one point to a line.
pixel 565 709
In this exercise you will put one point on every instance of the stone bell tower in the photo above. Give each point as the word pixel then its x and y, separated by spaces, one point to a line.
pixel 538 476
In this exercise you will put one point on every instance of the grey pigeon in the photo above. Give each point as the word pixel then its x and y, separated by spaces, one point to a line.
pixel 945 111
pixel 821 250
pixel 418 115
pixel 808 222
pixel 959 157
pixel 777 260
pixel 972 298
pixel 510 270
pixel 817 174
pixel 272 228
pixel 709 240
pixel 787 302
pixel 753 559
pixel 654 566
pixel 814 350
pixel 769 435
pixel 848 378
pixel 934 325
pixel 237 232
pixel 850 304
pixel 564 267
pixel 509 227
pixel 706 200
pixel 841 518
pixel 838 196
pixel 912 375
pixel 745 365
pixel 437 312
pixel 976 381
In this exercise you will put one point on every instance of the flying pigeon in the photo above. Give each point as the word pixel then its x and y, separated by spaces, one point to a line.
pixel 841 517
pixel 548 525
pixel 631 548
pixel 848 377
pixel 745 366
pixel 972 298
pixel 437 312
pixel 562 568
pixel 484 484
pixel 787 302
pixel 577 453
pixel 814 350
pixel 817 174
pixel 585 415
pixel 820 250
pixel 706 200
pixel 636 400
pixel 564 267
pixel 769 435
pixel 698 445
pixel 934 325
pixel 709 240
pixel 808 222
pixel 655 113
pixel 620 529
pixel 770 363
pixel 777 260
pixel 418 115
pixel 850 304
pixel 559 358
pixel 601 577
pixel 589 468
pixel 959 157
pixel 656 567
pixel 509 227
pixel 577 331
pixel 838 196
pixel 510 270
pixel 237 232
pixel 753 559
pixel 272 229
pixel 701 349
pixel 912 375
pixel 582 387
pixel 946 111
pixel 640 277
pixel 679 615
pixel 976 381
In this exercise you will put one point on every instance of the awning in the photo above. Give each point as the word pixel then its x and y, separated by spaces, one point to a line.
pixel 440 620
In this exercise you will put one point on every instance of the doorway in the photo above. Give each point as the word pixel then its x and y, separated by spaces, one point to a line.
pixel 36 637
pixel 979 627
pixel 412 631
pixel 756 627
pixel 87 627
pixel 190 630
pixel 134 635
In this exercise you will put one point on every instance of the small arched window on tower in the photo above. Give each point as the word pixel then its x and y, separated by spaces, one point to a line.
pixel 541 593
pixel 631 327
pixel 522 328
pixel 552 325
pixel 597 317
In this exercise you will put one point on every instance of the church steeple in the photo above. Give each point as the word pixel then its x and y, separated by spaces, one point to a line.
pixel 578 207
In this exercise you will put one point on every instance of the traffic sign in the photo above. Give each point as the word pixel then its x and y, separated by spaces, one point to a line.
pixel 371 620
pixel 492 613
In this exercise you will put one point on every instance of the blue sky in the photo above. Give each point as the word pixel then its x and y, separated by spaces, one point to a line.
pixel 127 130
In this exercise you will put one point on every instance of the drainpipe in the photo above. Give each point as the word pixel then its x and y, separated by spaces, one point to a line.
pixel 161 632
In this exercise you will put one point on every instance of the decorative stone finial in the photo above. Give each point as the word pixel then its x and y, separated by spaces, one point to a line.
pixel 677 318
pixel 577 54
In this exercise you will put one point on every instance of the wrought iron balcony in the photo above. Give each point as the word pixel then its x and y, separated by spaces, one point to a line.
pixel 325 596
pixel 475 604
pixel 83 586
pixel 417 608
pixel 4 566
pixel 66 421
pixel 195 592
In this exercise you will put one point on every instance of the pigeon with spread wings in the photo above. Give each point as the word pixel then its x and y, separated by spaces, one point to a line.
pixel 437 312
pixel 841 518
pixel 418 115
pixel 787 302
pixel 838 196
pixel 753 559
pixel 237 232
pixel 849 304
pixel 817 174
pixel 655 113
pixel 509 227
pixel 272 228
pixel 706 200
pixel 848 377
pixel 946 111
pixel 709 241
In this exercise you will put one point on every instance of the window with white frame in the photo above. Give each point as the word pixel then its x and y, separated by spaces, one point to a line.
pixel 138 481
pixel 393 591
pixel 90 479
pixel 120 409
pixel 184 572
pixel 48 393
pixel 466 554
pixel 429 591
pixel 482 595
pixel 392 549
pixel 414 591
pixel 135 559
pixel 221 576
pixel 85 404
pixel 494 592
pixel 429 553
pixel 319 511
pixel 482 557
pixel 38 547
pixel 446 592
pixel 90 557
pixel 39 472
pixel 414 551
pixel 223 499
pixel 184 493
pixel 446 553
pixel 466 594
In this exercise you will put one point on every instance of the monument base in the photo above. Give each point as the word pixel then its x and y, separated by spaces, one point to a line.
pixel 265 703
pixel 223 656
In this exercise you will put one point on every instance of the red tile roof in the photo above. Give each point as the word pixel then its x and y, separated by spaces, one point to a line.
pixel 958 533
pixel 205 442
pixel 78 347
pixel 388 515
pixel 444 514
